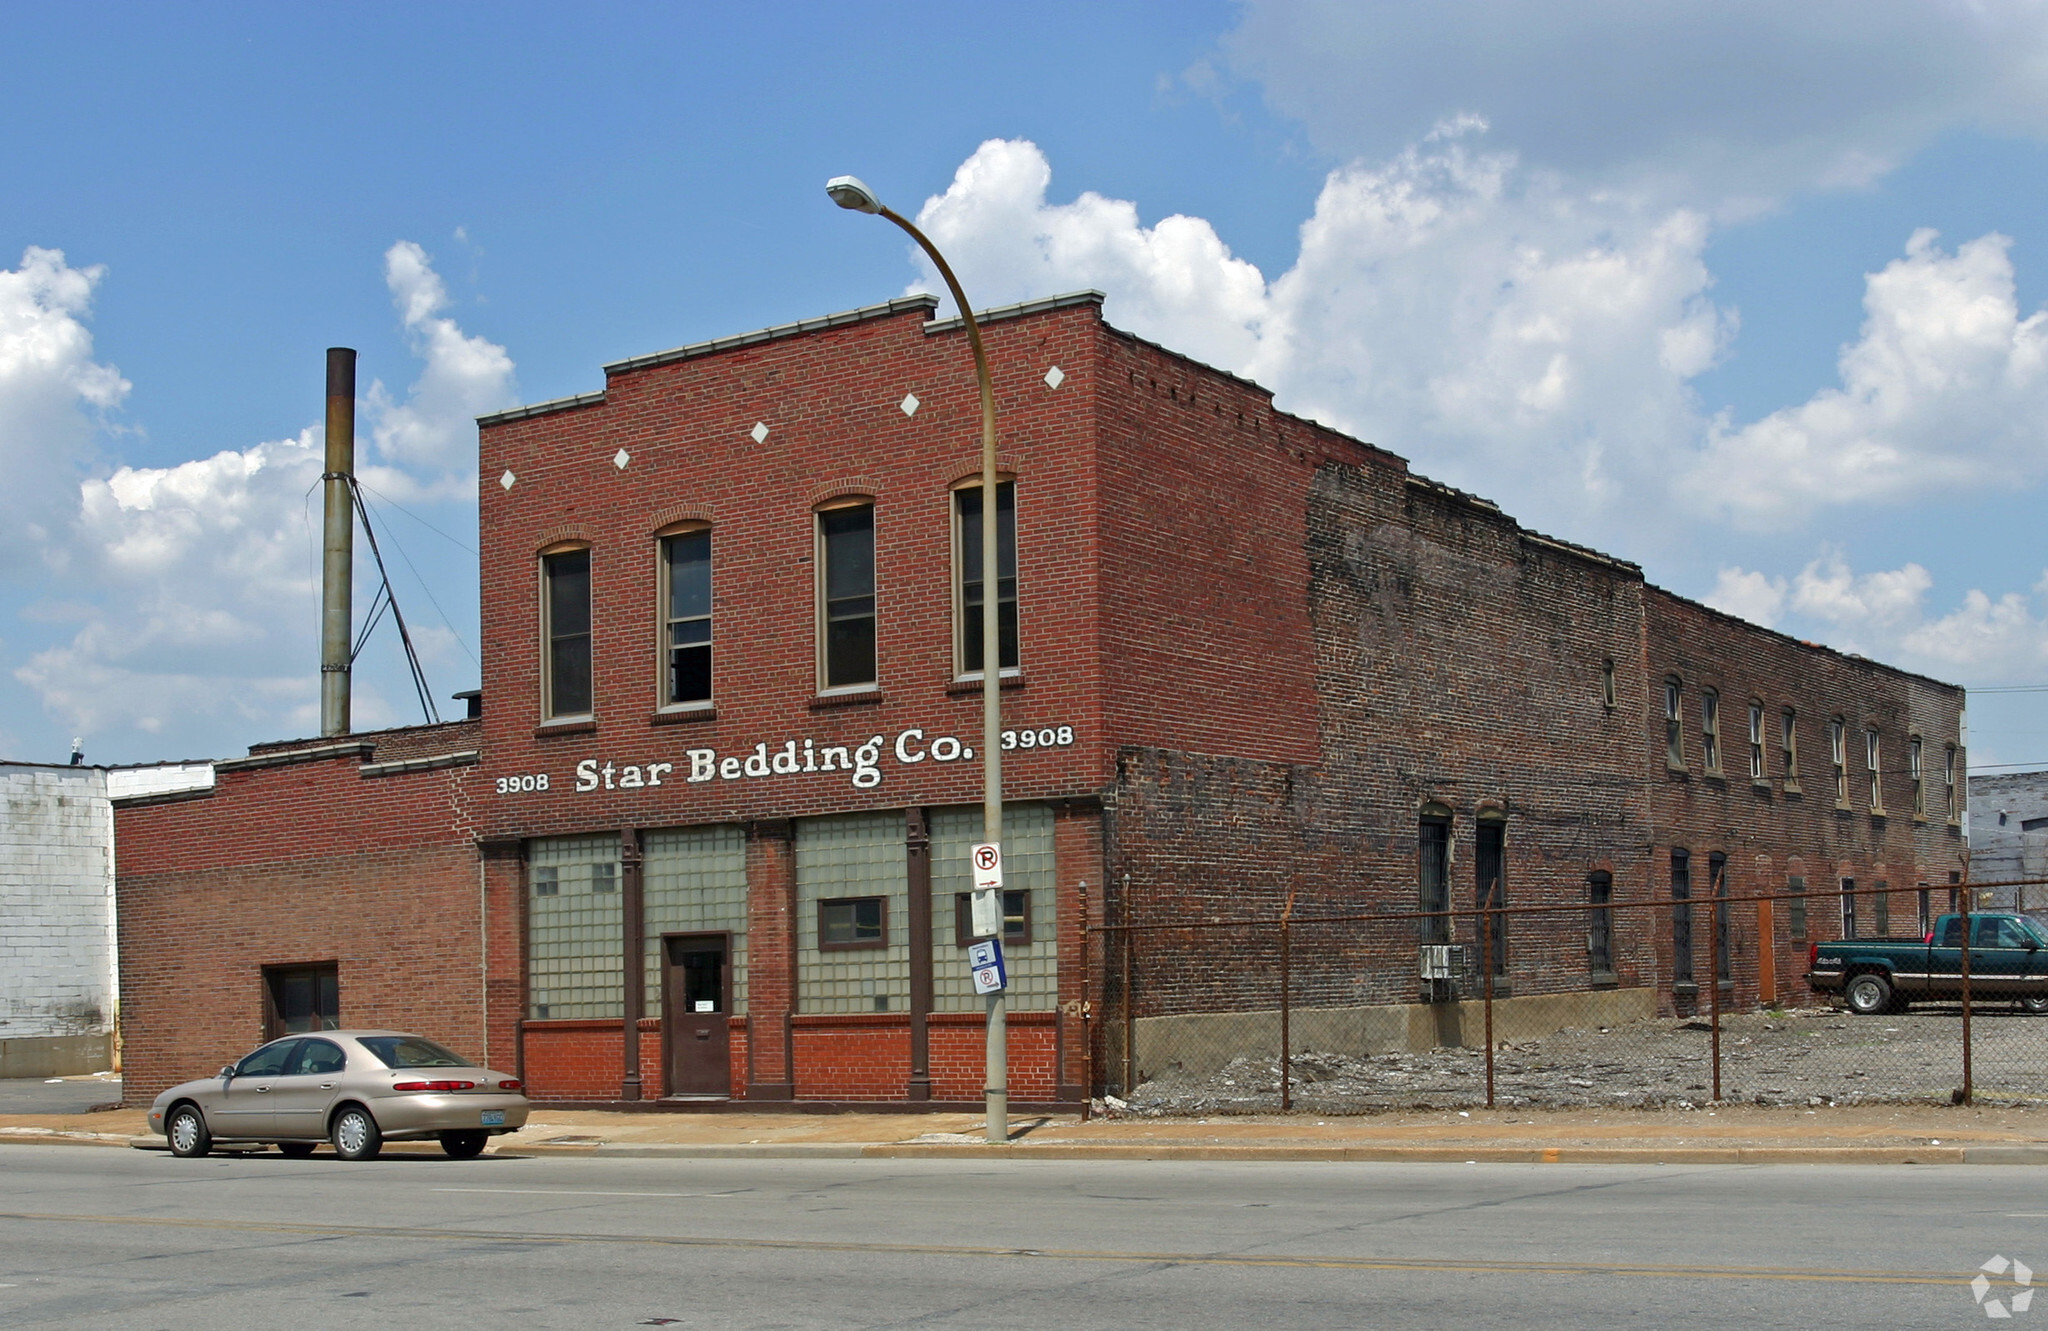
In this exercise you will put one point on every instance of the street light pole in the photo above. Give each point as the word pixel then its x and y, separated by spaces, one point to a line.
pixel 850 193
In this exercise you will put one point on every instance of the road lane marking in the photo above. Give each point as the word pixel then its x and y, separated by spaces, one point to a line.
pixel 1419 1265
pixel 578 1192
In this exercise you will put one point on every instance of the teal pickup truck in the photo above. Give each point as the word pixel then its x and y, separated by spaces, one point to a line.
pixel 2008 960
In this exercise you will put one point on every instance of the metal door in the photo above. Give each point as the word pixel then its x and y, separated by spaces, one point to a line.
pixel 300 1099
pixel 696 1000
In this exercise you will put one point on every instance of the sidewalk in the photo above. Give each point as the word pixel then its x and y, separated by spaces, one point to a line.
pixel 1726 1134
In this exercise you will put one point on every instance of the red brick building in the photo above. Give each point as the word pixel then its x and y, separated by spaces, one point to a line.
pixel 708 837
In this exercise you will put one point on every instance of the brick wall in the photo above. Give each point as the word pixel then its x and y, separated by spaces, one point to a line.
pixel 295 863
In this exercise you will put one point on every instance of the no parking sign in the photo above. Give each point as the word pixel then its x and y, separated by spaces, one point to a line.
pixel 985 959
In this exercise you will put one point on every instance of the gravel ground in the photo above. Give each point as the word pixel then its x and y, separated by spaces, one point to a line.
pixel 1807 1056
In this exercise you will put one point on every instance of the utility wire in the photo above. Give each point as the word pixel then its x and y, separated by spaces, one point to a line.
pixel 412 656
pixel 448 623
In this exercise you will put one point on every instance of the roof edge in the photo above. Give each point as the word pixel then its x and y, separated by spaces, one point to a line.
pixel 542 408
pixel 1801 643
pixel 996 313
pixel 900 305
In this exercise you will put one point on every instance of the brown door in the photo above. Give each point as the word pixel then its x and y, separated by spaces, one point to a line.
pixel 696 998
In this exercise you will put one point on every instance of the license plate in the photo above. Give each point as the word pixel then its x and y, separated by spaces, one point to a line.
pixel 494 1118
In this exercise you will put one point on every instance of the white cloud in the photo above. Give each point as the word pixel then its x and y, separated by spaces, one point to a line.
pixel 1885 615
pixel 1725 106
pixel 462 377
pixel 199 582
pixel 1946 389
pixel 53 397
pixel 1508 334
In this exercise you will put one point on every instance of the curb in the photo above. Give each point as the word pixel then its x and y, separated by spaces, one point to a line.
pixel 1990 1153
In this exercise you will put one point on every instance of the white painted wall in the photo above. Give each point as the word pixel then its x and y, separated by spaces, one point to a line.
pixel 57 967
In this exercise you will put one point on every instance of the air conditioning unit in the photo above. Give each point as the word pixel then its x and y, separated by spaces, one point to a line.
pixel 1443 971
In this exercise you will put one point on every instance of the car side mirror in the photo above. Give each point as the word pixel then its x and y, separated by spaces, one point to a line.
pixel 227 1072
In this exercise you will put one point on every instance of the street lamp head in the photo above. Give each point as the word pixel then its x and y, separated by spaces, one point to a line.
pixel 848 192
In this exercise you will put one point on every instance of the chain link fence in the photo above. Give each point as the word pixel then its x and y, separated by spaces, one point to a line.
pixel 1637 1004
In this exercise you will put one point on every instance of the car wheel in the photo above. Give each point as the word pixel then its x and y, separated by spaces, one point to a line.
pixel 356 1135
pixel 464 1144
pixel 2036 1004
pixel 296 1150
pixel 1869 994
pixel 187 1131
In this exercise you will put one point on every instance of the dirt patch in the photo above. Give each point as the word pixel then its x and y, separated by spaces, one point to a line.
pixel 1802 1058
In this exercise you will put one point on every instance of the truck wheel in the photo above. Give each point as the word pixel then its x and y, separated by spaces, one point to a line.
pixel 2035 1004
pixel 1868 994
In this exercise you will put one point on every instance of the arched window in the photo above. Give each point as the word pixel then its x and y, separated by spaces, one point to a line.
pixel 1433 868
pixel 686 615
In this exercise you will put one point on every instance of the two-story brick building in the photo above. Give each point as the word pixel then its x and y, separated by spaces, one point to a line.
pixel 708 836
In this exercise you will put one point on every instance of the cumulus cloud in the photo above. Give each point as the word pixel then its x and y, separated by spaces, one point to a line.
pixel 1886 614
pixel 461 377
pixel 54 398
pixel 199 582
pixel 1945 389
pixel 1726 106
pixel 1505 332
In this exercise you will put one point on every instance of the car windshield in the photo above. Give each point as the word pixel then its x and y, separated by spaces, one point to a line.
pixel 410 1051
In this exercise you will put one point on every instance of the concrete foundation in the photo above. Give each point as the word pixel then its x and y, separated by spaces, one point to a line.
pixel 1203 1042
pixel 56 1055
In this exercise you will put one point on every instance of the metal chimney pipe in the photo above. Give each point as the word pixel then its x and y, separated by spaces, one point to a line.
pixel 338 542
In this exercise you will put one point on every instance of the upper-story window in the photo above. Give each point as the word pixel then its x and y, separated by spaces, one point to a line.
pixel 1838 758
pixel 686 617
pixel 1710 730
pixel 1674 733
pixel 1756 741
pixel 967 580
pixel 1913 774
pixel 1607 685
pixel 1948 778
pixel 565 631
pixel 1872 760
pixel 1788 748
pixel 846 595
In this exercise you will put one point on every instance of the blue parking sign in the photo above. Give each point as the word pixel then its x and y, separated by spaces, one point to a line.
pixel 985 959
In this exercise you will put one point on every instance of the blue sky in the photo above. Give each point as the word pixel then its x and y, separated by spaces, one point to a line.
pixel 1746 292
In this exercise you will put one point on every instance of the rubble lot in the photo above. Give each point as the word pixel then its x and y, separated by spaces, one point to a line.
pixel 1807 1056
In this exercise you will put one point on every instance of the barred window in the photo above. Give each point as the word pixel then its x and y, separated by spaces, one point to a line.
pixel 1433 838
pixel 1600 923
pixel 1681 917
pixel 1795 911
pixel 1717 878
pixel 1848 908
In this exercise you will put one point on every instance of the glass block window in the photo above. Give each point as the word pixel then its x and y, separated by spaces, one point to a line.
pixel 573 962
pixel 694 880
pixel 851 855
pixel 1027 867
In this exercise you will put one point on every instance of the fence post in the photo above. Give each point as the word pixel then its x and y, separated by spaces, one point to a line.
pixel 1714 982
pixel 1486 987
pixel 1087 1032
pixel 1286 1044
pixel 1130 946
pixel 1963 1096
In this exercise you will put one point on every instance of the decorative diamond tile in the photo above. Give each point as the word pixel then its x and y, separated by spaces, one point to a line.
pixel 760 432
pixel 910 404
pixel 507 479
pixel 622 457
pixel 1054 377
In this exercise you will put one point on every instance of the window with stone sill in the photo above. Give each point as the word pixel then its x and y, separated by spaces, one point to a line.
pixel 1838 759
pixel 967 579
pixel 1674 731
pixel 565 632
pixel 1710 731
pixel 686 617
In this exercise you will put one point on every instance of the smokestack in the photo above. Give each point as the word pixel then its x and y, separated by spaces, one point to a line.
pixel 338 542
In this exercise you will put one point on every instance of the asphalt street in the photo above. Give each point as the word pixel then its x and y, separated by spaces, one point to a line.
pixel 97 1237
